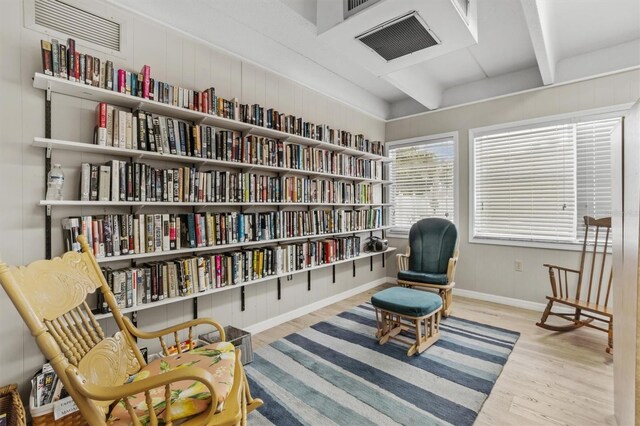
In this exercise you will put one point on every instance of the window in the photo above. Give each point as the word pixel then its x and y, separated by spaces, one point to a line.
pixel 537 183
pixel 422 176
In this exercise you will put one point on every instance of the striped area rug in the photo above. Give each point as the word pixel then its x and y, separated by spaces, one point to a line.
pixel 334 372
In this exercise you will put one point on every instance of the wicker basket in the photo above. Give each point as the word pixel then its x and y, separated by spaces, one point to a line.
pixel 11 405
pixel 43 416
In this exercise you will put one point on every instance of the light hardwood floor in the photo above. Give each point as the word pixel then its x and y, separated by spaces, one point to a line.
pixel 550 378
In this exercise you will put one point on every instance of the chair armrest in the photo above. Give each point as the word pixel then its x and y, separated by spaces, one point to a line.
pixel 561 268
pixel 188 324
pixel 113 393
pixel 159 334
pixel 451 267
pixel 402 262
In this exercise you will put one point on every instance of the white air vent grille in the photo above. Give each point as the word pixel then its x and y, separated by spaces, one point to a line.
pixel 352 4
pixel 399 37
pixel 77 23
pixel 351 7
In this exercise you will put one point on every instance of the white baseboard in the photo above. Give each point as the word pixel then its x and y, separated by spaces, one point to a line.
pixel 509 301
pixel 288 316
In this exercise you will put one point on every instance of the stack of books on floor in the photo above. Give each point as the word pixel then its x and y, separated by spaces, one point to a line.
pixel 46 387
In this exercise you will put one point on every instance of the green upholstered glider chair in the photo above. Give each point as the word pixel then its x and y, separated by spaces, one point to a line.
pixel 430 261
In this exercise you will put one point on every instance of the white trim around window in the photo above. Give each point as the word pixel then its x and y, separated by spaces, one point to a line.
pixel 556 120
pixel 441 137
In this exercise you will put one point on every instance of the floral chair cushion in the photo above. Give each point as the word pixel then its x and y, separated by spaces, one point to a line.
pixel 188 397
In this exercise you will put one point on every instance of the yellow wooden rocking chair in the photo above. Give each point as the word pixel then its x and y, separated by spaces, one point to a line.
pixel 588 303
pixel 107 377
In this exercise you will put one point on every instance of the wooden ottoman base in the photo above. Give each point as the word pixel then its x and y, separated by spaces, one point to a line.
pixel 426 329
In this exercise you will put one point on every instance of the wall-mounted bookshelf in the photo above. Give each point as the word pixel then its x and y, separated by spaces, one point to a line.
pixel 121 100
pixel 77 203
pixel 141 155
pixel 244 284
pixel 97 94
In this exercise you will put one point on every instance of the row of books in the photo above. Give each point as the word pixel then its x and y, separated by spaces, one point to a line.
pixel 151 132
pixel 64 61
pixel 131 181
pixel 180 277
pixel 116 235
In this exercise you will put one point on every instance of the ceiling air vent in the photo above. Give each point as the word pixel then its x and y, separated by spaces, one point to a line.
pixel 398 37
pixel 77 23
pixel 351 7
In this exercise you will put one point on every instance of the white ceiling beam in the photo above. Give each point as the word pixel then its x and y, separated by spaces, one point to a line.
pixel 420 86
pixel 535 16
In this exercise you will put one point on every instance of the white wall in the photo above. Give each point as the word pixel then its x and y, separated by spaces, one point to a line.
pixel 174 58
pixel 490 268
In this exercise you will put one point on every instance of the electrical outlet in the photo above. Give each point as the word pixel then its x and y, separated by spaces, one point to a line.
pixel 518 265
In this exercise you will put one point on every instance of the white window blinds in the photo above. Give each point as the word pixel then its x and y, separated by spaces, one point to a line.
pixel 422 178
pixel 594 169
pixel 537 184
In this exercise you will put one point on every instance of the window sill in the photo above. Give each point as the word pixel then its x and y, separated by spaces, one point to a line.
pixel 397 234
pixel 528 244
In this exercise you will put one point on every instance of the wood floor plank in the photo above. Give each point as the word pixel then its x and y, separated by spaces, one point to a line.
pixel 551 378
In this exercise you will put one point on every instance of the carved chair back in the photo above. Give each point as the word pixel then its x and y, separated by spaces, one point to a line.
pixel 50 296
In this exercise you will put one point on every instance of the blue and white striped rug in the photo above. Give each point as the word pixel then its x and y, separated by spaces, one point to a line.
pixel 334 372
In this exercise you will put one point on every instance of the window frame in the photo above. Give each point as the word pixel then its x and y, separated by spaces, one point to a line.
pixel 567 118
pixel 420 140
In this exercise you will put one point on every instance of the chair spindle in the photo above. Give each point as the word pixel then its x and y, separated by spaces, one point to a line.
pixel 94 322
pixel 153 419
pixel 75 334
pixel 165 351
pixel 175 335
pixel 167 412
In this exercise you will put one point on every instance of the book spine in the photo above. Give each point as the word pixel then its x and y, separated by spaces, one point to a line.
pixel 47 60
pixel 101 124
pixel 104 183
pixel 115 180
pixel 129 131
pixel 122 129
pixel 150 133
pixel 108 75
pixel 71 59
pixel 122 85
pixel 95 77
pixel 55 57
pixel 108 122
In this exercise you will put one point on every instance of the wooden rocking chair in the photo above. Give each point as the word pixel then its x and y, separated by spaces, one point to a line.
pixel 589 303
pixel 107 377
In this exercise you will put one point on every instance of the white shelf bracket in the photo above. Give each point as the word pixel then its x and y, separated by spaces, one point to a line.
pixel 48 91
pixel 247 132
pixel 49 210
pixel 48 152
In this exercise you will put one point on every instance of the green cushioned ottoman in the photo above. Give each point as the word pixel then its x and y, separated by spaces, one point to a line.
pixel 404 309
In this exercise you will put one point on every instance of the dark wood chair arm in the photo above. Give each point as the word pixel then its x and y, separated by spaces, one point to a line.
pixel 562 268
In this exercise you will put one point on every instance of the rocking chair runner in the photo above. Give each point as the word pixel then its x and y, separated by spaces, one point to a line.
pixel 590 303
pixel 107 377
